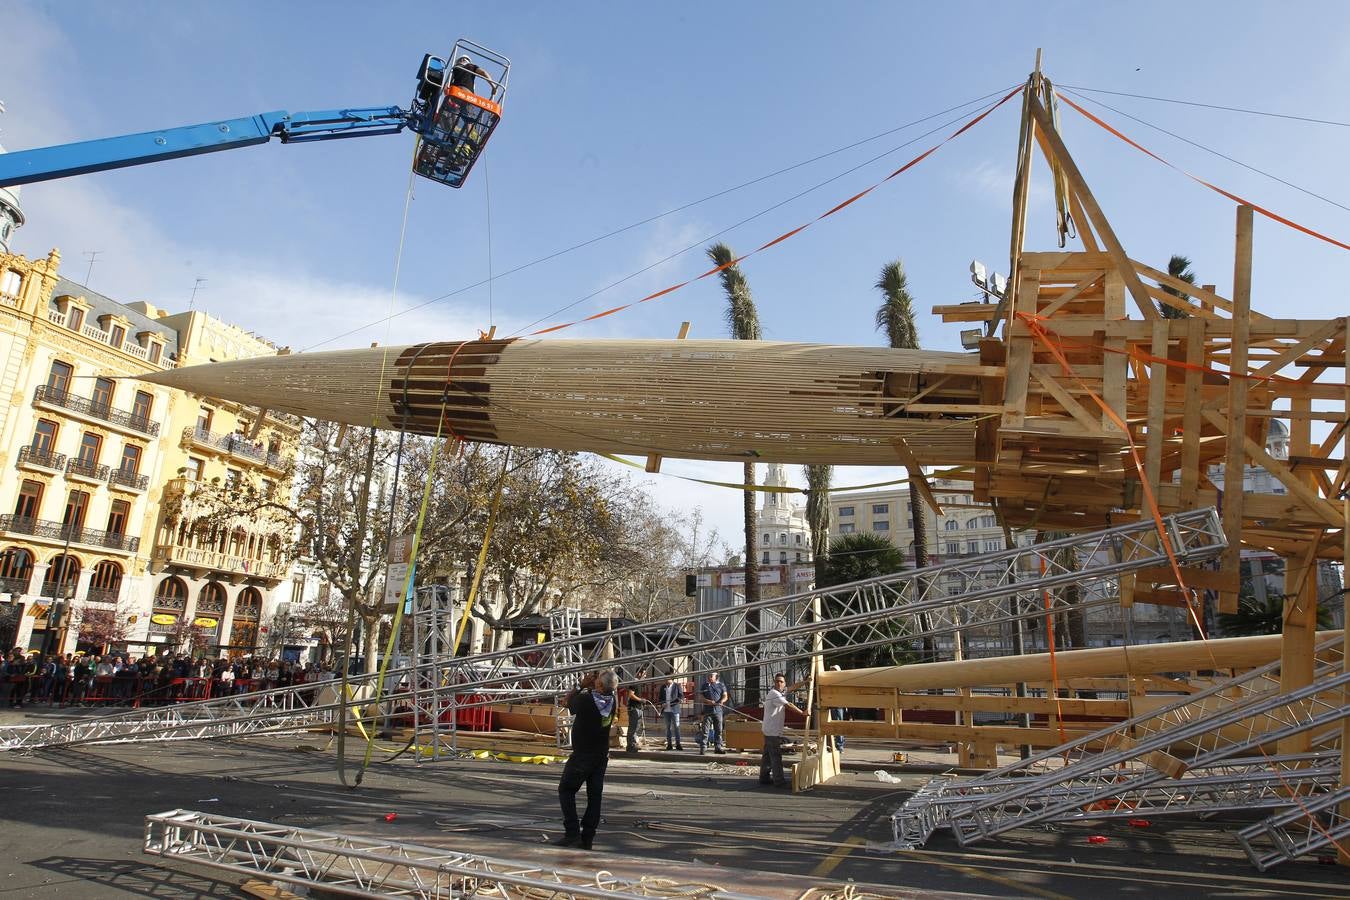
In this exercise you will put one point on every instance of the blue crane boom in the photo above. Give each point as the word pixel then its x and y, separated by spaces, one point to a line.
pixel 452 120
pixel 64 160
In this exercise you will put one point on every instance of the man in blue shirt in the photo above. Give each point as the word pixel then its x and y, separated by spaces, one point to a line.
pixel 672 695
pixel 714 713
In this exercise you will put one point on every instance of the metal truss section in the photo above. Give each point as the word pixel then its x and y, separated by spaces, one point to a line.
pixel 998 587
pixel 1315 710
pixel 934 806
pixel 1233 786
pixel 364 867
pixel 1311 824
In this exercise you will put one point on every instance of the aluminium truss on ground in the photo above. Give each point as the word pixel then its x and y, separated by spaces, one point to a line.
pixel 364 867
pixel 1309 824
pixel 905 605
pixel 1154 756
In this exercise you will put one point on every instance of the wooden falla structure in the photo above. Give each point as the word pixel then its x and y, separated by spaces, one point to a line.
pixel 1082 406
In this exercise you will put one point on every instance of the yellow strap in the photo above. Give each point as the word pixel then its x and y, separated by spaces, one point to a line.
pixel 779 489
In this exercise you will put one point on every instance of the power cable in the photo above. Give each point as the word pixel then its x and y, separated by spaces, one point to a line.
pixel 1217 153
pixel 681 208
pixel 1238 109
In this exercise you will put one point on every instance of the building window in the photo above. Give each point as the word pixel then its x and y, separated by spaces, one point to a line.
pixel 117 336
pixel 845 510
pixel 77 504
pixel 29 503
pixel 156 351
pixel 952 525
pixel 143 406
pixel 298 590
pixel 44 436
pixel 782 537
pixel 117 517
pixel 953 549
pixel 880 509
pixel 9 283
pixel 171 593
pixel 204 419
pixel 766 538
pixel 58 379
pixel 973 523
pixel 131 460
pixel 798 536
pixel 63 573
pixel 193 470
pixel 75 318
pixel 90 444
pixel 765 558
pixel 16 570
pixel 107 579
pixel 799 556
pixel 881 526
pixel 231 479
pixel 846 528
pixel 782 557
pixel 103 394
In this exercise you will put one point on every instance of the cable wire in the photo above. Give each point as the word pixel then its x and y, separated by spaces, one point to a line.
pixel 653 218
pixel 1217 153
pixel 1237 109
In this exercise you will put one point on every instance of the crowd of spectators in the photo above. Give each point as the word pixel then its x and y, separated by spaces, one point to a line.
pixel 118 679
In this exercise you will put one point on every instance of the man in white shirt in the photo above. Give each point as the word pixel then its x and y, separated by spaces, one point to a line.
pixel 776 706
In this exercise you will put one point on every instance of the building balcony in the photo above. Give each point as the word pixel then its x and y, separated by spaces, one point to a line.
pixel 121 478
pixel 99 412
pixel 90 471
pixel 203 561
pixel 42 459
pixel 233 445
pixel 13 586
pixel 102 595
pixel 57 533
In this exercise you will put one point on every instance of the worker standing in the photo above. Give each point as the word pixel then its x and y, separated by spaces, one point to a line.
pixel 593 704
pixel 714 714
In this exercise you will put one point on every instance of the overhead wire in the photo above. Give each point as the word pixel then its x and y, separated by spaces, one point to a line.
pixel 653 218
pixel 1236 109
pixel 1210 150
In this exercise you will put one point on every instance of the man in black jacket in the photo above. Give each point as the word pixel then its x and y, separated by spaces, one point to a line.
pixel 593 706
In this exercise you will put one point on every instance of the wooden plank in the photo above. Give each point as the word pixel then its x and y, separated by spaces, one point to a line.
pixel 1071 295
pixel 1079 186
pixel 1071 406
pixel 1238 386
pixel 917 479
pixel 1190 420
pixel 1114 359
pixel 1320 507
pixel 1328 330
pixel 1157 399
pixel 1196 578
pixel 934 733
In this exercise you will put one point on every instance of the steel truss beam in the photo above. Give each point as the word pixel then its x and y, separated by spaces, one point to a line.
pixel 998 587
pixel 1309 824
pixel 363 867
pixel 1090 764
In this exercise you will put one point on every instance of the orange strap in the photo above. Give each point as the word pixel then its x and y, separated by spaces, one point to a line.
pixel 1213 187
pixel 795 231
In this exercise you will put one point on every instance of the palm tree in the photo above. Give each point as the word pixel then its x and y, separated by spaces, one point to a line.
pixel 1178 267
pixel 854 557
pixel 743 323
pixel 818 515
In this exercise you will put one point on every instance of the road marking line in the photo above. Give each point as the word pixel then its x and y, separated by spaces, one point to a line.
pixel 828 864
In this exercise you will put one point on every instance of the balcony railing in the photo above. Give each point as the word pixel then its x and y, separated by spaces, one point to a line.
pixel 13 585
pixel 45 459
pixel 128 479
pixel 215 560
pixel 234 445
pixel 85 469
pixel 57 532
pixel 66 400
pixel 102 595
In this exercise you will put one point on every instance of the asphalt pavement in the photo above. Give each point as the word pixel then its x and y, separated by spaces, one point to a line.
pixel 74 824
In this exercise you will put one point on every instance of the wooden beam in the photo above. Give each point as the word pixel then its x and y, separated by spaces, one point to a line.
pixel 1157 400
pixel 1191 410
pixel 1141 659
pixel 1234 464
pixel 1104 230
pixel 917 479
pixel 1319 507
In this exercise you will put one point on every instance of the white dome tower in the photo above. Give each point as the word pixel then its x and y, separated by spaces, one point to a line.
pixel 11 214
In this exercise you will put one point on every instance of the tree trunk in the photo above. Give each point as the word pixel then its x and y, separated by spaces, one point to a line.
pixel 921 551
pixel 751 585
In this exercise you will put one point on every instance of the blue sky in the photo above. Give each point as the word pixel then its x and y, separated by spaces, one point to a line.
pixel 618 112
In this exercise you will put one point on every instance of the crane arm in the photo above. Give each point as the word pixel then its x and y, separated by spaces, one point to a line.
pixel 64 160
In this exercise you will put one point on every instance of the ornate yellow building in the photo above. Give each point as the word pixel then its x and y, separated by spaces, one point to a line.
pixel 99 471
